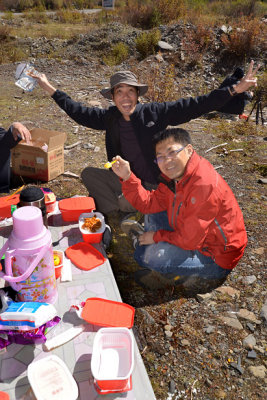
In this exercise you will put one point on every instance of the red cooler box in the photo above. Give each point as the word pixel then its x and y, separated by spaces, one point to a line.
pixel 73 207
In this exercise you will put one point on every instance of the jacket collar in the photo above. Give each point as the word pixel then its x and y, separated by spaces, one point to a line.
pixel 189 171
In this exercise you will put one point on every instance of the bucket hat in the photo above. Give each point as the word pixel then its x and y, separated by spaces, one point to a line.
pixel 126 77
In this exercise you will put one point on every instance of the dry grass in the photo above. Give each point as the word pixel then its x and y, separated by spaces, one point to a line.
pixel 247 36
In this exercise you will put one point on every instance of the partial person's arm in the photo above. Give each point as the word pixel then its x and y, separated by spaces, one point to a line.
pixel 92 117
pixel 143 200
pixel 20 132
pixel 15 133
pixel 183 110
pixel 44 83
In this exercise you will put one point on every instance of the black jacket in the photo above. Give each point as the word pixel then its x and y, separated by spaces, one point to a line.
pixel 147 119
pixel 237 103
pixel 7 142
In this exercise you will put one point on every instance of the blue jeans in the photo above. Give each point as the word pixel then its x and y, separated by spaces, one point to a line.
pixel 171 260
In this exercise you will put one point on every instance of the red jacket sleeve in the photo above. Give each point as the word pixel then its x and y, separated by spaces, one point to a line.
pixel 143 200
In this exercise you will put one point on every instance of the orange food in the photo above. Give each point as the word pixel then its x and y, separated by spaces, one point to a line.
pixel 92 224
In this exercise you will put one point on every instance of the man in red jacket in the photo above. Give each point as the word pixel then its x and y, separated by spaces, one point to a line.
pixel 194 233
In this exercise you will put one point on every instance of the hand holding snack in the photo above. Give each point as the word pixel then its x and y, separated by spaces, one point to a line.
pixel 121 168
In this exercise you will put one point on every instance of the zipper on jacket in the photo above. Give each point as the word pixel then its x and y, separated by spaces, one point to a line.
pixel 173 204
pixel 222 233
pixel 174 215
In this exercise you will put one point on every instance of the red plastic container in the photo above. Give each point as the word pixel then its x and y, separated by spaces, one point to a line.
pixel 113 359
pixel 58 267
pixel 73 207
pixel 92 237
pixel 50 202
pixel 5 205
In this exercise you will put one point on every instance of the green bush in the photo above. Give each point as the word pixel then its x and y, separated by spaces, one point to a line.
pixel 4 32
pixel 69 16
pixel 238 8
pixel 119 53
pixel 146 43
pixel 36 16
pixel 10 53
pixel 8 16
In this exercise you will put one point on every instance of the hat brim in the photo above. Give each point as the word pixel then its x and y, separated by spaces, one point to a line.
pixel 142 89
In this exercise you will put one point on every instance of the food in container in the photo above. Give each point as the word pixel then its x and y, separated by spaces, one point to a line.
pixel 92 226
pixel 58 256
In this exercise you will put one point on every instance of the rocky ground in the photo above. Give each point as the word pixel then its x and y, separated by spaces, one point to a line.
pixel 206 347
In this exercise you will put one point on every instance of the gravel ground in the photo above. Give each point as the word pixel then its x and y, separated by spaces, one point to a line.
pixel 206 347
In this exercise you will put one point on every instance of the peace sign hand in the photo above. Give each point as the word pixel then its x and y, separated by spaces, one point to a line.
pixel 249 80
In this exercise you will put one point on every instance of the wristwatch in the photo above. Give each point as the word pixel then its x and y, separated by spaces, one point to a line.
pixel 232 90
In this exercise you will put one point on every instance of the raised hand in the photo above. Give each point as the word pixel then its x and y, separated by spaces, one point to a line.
pixel 43 82
pixel 121 168
pixel 249 80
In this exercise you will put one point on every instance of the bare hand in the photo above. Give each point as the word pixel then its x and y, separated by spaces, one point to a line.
pixel 249 80
pixel 146 238
pixel 121 168
pixel 20 131
pixel 43 82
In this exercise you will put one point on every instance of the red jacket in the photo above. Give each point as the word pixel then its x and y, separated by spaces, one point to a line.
pixel 201 208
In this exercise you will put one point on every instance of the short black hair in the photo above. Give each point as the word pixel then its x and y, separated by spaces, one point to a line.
pixel 178 134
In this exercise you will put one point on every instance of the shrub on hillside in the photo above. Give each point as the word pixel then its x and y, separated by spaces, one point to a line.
pixel 4 32
pixel 69 16
pixel 37 16
pixel 161 83
pixel 144 16
pixel 22 5
pixel 10 53
pixel 237 8
pixel 150 14
pixel 244 39
pixel 146 43
pixel 119 53
pixel 195 43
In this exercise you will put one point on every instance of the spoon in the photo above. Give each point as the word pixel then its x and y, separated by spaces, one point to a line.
pixel 109 164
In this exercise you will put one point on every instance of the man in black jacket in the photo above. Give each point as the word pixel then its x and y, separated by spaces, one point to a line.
pixel 130 127
pixel 8 140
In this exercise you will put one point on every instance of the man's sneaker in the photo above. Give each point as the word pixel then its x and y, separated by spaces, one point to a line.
pixel 133 229
pixel 126 215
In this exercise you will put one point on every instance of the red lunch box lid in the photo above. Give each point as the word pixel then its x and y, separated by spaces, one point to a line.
pixel 77 203
pixel 5 204
pixel 104 312
pixel 85 256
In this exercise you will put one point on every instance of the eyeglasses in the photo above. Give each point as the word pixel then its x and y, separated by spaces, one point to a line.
pixel 172 154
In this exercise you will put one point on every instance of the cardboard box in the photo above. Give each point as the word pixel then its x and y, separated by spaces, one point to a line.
pixel 43 159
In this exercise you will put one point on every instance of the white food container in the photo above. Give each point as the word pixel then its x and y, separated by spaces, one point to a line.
pixel 50 379
pixel 112 358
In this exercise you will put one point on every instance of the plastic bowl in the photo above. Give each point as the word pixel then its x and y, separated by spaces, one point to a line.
pixel 112 358
pixel 88 236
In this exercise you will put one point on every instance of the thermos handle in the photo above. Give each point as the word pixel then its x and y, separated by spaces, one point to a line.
pixel 2 252
pixel 28 272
